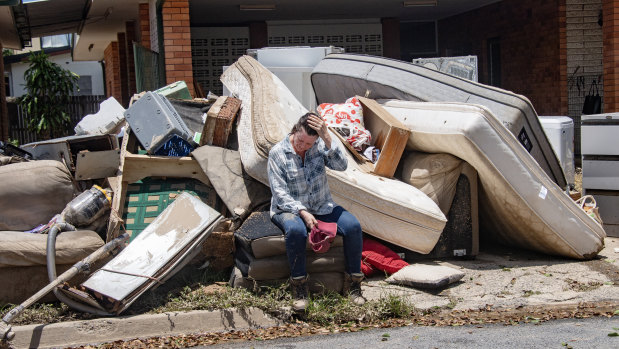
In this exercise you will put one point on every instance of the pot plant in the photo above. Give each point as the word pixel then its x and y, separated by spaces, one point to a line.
pixel 48 93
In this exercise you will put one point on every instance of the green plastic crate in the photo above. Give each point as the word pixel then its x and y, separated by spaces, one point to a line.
pixel 176 90
pixel 147 198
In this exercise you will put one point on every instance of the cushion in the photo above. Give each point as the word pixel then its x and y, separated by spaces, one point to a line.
pixel 33 192
pixel 436 175
pixel 276 267
pixel 347 118
pixel 19 249
pixel 380 257
pixel 425 276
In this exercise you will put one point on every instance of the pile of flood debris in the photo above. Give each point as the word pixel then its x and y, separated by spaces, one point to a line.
pixel 138 193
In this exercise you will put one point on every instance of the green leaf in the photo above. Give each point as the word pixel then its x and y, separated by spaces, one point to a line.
pixel 613 334
pixel 616 312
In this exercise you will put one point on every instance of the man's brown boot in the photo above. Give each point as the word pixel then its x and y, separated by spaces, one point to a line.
pixel 300 292
pixel 352 288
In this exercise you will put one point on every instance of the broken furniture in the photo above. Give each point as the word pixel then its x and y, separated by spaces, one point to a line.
pixel 134 167
pixel 260 258
pixel 80 153
pixel 220 121
pixel 163 248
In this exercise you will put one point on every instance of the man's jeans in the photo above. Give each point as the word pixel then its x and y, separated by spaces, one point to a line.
pixel 296 238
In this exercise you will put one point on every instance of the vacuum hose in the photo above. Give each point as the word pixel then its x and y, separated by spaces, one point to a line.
pixel 51 271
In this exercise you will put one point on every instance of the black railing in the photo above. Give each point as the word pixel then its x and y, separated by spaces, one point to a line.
pixel 79 107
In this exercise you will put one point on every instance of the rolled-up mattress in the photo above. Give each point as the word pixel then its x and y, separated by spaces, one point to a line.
pixel 340 76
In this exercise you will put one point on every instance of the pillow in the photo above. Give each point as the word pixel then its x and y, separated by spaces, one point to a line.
pixel 347 118
pixel 381 257
pixel 425 276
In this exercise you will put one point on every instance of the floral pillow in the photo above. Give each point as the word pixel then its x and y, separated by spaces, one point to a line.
pixel 347 119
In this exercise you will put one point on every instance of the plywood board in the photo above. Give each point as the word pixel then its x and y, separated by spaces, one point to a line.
pixel 97 164
pixel 388 134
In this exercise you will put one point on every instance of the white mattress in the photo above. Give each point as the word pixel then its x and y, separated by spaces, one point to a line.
pixel 388 209
pixel 340 76
pixel 519 203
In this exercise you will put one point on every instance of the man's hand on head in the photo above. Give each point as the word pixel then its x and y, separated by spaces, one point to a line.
pixel 320 126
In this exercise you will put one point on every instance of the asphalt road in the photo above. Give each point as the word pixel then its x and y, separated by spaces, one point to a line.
pixel 572 333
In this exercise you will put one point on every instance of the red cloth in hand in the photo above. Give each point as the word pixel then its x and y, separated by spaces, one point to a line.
pixel 380 257
pixel 322 235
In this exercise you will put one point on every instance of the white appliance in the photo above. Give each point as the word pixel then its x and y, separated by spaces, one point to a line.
pixel 293 66
pixel 600 165
pixel 560 133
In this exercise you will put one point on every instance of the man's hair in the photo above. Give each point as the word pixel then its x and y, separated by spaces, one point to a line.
pixel 302 124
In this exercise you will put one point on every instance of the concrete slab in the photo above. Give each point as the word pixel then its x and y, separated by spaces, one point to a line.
pixel 76 333
pixel 508 278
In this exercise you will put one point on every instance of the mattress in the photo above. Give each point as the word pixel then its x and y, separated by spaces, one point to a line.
pixel 276 267
pixel 519 203
pixel 340 76
pixel 388 209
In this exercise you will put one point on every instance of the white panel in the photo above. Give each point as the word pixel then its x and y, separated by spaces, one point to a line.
pixel 599 174
pixel 212 48
pixel 602 138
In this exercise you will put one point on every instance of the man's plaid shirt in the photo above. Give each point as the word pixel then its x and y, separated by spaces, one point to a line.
pixel 298 185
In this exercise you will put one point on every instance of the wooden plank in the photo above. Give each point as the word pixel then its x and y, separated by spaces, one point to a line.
pixel 97 164
pixel 388 134
pixel 138 166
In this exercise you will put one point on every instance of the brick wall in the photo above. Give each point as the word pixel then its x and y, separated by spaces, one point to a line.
pixel 144 25
pixel 529 32
pixel 131 37
pixel 177 42
pixel 112 72
pixel 610 58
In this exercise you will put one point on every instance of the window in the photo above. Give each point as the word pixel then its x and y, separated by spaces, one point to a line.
pixel 85 85
pixel 62 40
pixel 418 40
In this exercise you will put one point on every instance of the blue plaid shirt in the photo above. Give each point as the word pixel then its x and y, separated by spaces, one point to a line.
pixel 298 185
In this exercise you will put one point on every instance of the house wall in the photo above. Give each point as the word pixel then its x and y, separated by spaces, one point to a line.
pixel 112 73
pixel 91 68
pixel 177 42
pixel 533 56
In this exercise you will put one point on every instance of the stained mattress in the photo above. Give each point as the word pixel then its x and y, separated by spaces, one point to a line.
pixel 388 209
pixel 340 76
pixel 519 203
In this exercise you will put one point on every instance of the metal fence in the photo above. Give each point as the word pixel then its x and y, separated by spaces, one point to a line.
pixel 578 88
pixel 79 107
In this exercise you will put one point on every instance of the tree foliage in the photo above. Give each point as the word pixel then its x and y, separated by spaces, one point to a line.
pixel 48 92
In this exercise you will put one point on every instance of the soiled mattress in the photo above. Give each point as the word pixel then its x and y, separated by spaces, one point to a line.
pixel 519 203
